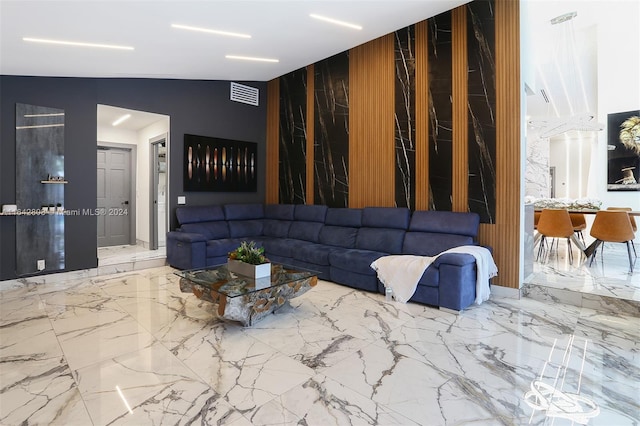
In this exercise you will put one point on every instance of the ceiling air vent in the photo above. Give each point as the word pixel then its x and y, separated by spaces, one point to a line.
pixel 245 94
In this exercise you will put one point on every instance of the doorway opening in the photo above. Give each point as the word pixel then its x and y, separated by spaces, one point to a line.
pixel 146 134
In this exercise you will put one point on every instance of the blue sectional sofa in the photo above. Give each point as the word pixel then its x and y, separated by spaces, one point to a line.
pixel 339 243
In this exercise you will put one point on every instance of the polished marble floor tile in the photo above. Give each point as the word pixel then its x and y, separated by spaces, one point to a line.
pixel 131 348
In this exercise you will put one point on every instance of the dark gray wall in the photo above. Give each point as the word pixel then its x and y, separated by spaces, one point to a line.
pixel 194 106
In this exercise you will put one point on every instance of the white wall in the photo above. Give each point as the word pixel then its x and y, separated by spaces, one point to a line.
pixel 618 88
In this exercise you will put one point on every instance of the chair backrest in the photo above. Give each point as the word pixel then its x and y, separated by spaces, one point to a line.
pixel 631 218
pixel 555 223
pixel 536 219
pixel 578 221
pixel 613 226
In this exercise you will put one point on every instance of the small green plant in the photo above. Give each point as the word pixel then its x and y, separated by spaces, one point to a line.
pixel 248 252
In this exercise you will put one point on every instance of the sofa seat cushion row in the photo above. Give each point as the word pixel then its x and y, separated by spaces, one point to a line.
pixel 339 243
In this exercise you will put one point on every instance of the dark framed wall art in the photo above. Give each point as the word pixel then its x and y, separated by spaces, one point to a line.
pixel 217 164
pixel 623 151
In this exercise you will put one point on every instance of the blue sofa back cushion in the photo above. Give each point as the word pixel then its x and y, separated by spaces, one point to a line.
pixel 211 230
pixel 276 228
pixel 245 228
pixel 340 236
pixel 344 217
pixel 279 211
pixel 378 239
pixel 310 213
pixel 307 231
pixel 445 222
pixel 197 214
pixel 386 217
pixel 431 243
pixel 243 211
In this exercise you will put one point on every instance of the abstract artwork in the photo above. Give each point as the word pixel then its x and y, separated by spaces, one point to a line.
pixel 623 151
pixel 216 164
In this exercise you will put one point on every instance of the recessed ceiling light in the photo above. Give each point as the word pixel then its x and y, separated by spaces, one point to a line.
pixel 121 119
pixel 250 58
pixel 76 43
pixel 335 21
pixel 207 30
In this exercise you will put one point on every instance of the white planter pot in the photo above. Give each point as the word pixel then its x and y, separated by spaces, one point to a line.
pixel 248 270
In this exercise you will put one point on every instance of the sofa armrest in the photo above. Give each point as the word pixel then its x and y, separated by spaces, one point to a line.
pixel 186 237
pixel 456 259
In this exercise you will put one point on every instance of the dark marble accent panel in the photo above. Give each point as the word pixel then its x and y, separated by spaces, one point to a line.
pixel 293 137
pixel 482 108
pixel 39 157
pixel 440 112
pixel 331 138
pixel 405 112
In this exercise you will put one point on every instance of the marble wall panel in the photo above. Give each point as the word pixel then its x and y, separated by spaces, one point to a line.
pixel 293 137
pixel 440 112
pixel 405 110
pixel 537 182
pixel 331 131
pixel 482 108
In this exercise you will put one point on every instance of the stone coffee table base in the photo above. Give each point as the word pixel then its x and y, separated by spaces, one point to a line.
pixel 250 307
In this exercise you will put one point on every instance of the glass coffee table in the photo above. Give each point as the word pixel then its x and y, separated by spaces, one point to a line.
pixel 246 299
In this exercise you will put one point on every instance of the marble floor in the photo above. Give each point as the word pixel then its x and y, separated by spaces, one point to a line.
pixel 608 282
pixel 126 258
pixel 129 348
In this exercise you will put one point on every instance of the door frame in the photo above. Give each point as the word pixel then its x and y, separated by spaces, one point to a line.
pixel 154 142
pixel 132 189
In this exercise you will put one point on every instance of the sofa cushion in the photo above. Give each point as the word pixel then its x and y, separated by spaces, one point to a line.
pixel 310 213
pixel 243 211
pixel 384 240
pixel 307 231
pixel 445 222
pixel 344 217
pixel 340 236
pixel 354 260
pixel 276 228
pixel 245 228
pixel 278 247
pixel 316 254
pixel 197 214
pixel 279 211
pixel 431 244
pixel 386 217
pixel 211 230
pixel 222 247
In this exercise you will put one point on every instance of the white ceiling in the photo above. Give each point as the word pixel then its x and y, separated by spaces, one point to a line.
pixel 280 29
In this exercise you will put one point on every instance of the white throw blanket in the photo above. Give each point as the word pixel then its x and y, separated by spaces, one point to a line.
pixel 402 272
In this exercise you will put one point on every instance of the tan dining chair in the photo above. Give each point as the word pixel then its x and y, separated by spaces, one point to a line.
pixel 612 226
pixel 579 224
pixel 555 223
pixel 634 226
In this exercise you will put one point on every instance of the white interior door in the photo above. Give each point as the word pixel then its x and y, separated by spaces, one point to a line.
pixel 114 196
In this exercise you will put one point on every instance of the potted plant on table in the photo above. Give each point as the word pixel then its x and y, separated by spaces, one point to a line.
pixel 249 260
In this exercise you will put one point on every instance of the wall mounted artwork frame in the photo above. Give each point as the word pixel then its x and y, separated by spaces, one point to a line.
pixel 219 165
pixel 623 151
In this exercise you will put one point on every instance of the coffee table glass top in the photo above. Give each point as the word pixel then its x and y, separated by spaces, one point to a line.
pixel 230 284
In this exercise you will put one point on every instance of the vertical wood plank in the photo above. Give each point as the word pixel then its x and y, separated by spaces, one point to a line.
pixel 273 125
pixel 460 188
pixel 310 132
pixel 422 113
pixel 371 127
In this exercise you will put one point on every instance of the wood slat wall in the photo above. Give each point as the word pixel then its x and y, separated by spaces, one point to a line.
pixel 371 123
pixel 422 114
pixel 371 128
pixel 504 236
pixel 310 131
pixel 272 192
pixel 460 170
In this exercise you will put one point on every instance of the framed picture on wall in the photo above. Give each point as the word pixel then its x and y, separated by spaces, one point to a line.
pixel 217 164
pixel 623 151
